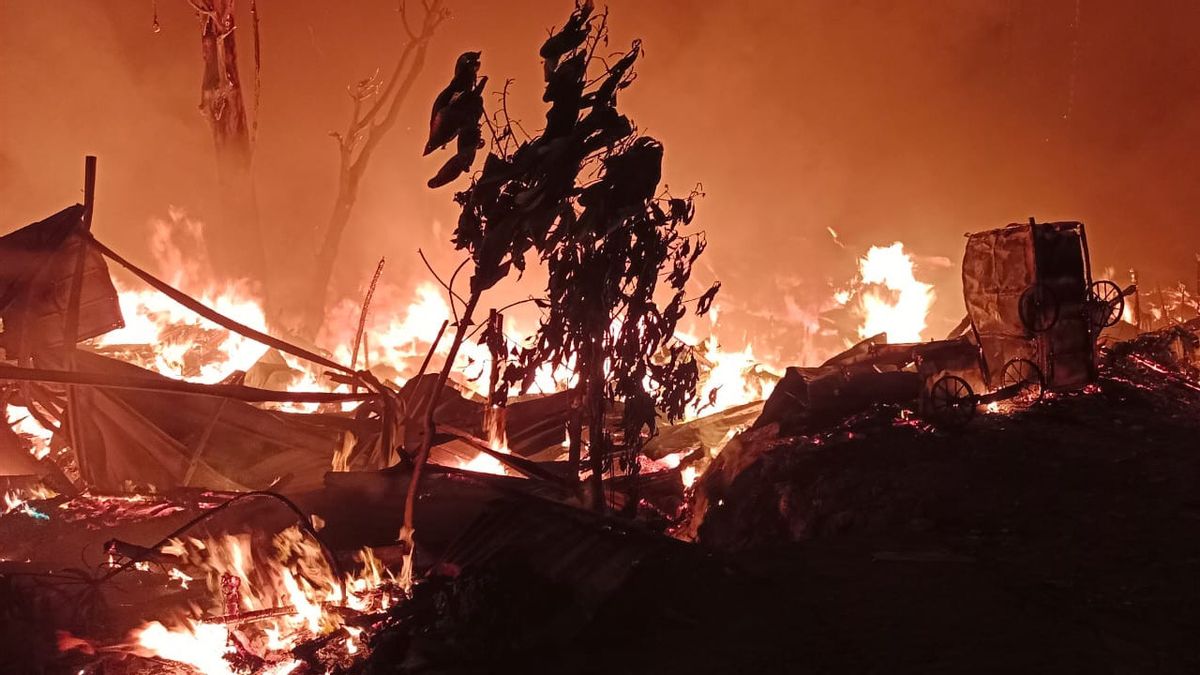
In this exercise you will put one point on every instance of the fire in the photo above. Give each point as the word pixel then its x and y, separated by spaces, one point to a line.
pixel 17 501
pixel 23 422
pixel 401 328
pixel 493 423
pixel 485 463
pixel 180 343
pixel 186 345
pixel 200 645
pixel 265 601
pixel 892 300
pixel 731 377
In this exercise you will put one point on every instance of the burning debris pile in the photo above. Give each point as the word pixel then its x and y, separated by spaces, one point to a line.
pixel 193 558
pixel 859 444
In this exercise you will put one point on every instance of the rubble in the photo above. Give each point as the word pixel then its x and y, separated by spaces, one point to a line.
pixel 513 565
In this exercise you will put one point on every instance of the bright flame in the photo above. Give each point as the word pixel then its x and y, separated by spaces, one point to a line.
pixel 23 422
pixel 893 301
pixel 17 501
pixel 729 377
pixel 292 583
pixel 400 328
pixel 493 423
pixel 181 343
pixel 200 645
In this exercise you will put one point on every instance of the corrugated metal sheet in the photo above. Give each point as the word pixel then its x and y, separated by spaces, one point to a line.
pixel 590 554
pixel 37 265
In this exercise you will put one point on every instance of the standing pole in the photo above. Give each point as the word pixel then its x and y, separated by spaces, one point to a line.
pixel 71 327
pixel 494 415
pixel 1135 301
pixel 1198 283
pixel 362 315
pixel 1162 306
pixel 70 335
pixel 89 189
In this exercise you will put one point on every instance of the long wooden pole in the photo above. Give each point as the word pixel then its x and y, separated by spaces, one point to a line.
pixel 1198 283
pixel 71 327
pixel 360 334
pixel 70 336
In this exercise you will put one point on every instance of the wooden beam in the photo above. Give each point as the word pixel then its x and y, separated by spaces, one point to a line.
pixel 70 337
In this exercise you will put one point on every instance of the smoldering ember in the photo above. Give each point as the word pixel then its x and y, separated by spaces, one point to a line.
pixel 472 337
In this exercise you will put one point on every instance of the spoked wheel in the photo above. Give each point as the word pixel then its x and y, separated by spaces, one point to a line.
pixel 1025 376
pixel 951 402
pixel 1038 308
pixel 1106 304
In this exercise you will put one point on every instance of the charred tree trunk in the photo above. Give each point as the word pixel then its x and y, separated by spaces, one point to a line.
pixel 327 254
pixel 235 246
pixel 376 106
pixel 575 430
pixel 597 429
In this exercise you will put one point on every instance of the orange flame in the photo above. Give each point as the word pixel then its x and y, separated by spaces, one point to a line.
pixel 893 301
pixel 293 578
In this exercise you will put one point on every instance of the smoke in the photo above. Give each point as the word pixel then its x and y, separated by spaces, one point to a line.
pixel 915 122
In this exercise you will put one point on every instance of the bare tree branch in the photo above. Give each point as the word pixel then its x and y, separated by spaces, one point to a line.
pixel 362 137
pixel 448 286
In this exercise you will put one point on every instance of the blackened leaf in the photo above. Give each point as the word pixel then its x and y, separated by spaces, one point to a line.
pixel 706 300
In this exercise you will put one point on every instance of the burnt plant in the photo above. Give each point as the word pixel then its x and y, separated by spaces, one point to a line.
pixel 584 197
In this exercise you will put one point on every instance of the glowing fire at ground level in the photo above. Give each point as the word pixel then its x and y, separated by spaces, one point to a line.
pixel 299 599
pixel 257 598
pixel 260 599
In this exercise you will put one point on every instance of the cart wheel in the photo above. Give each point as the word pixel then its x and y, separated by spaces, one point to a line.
pixel 1106 304
pixel 1038 308
pixel 951 402
pixel 1025 374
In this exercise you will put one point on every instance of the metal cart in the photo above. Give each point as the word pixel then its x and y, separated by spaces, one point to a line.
pixel 1033 314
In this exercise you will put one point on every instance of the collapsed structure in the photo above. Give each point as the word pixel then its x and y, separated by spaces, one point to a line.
pixel 128 427
pixel 119 433
pixel 119 446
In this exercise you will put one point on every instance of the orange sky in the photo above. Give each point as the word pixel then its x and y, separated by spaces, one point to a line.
pixel 913 120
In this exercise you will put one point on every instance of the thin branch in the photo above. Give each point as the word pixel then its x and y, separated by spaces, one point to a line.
pixel 379 129
pixel 409 49
pixel 448 286
pixel 508 120
pixel 362 316
pixel 519 302
pixel 475 331
pixel 601 34
pixel 403 10
pixel 458 269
